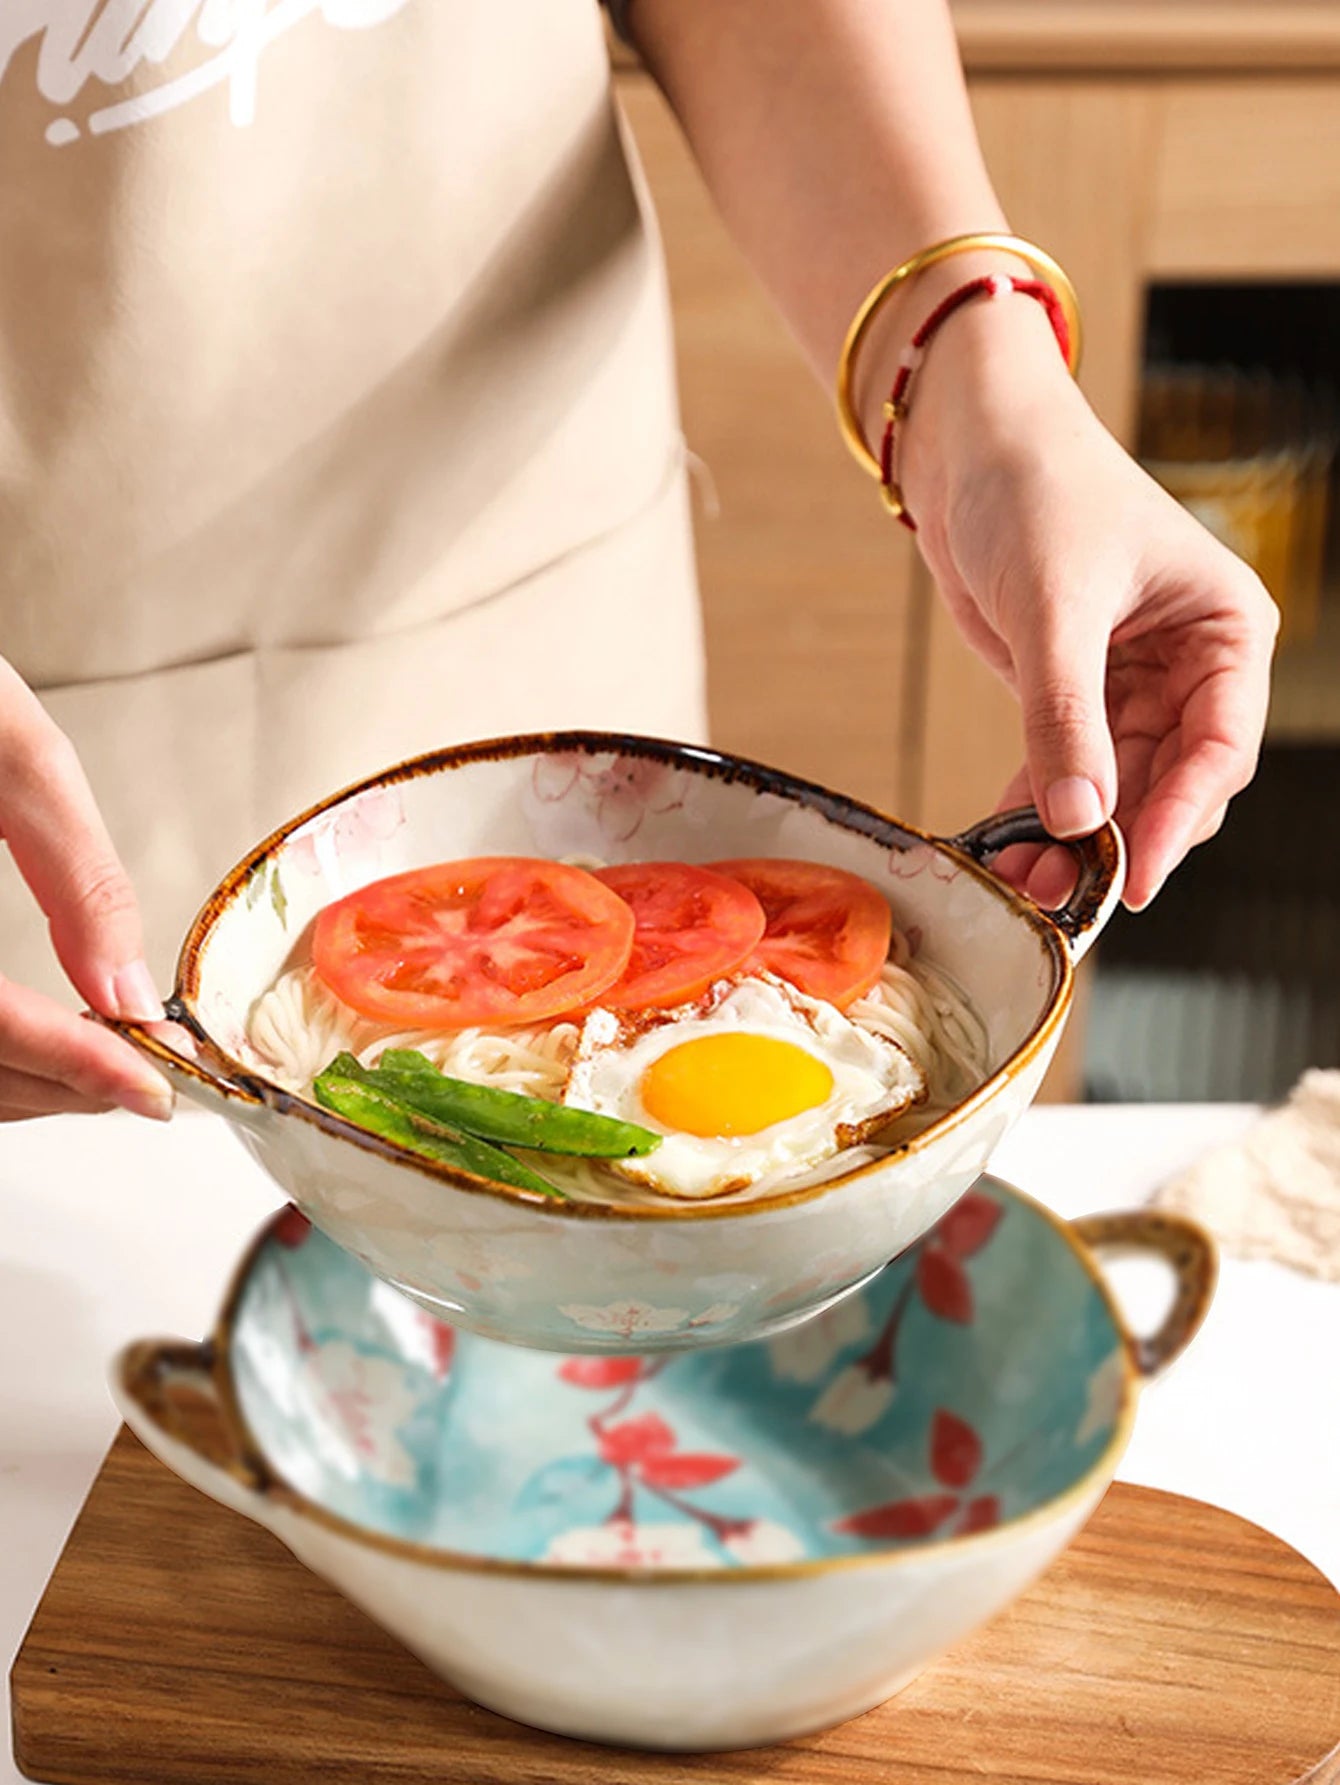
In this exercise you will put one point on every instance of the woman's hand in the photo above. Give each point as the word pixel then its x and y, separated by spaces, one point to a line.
pixel 52 1059
pixel 837 140
pixel 1139 647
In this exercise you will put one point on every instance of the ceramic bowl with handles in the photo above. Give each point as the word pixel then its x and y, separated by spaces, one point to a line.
pixel 711 1549
pixel 570 1276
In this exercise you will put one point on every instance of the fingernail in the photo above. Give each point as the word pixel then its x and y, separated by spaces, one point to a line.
pixel 152 1100
pixel 1072 807
pixel 137 1001
pixel 1149 898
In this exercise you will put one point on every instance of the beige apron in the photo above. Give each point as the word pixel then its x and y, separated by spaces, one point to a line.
pixel 336 410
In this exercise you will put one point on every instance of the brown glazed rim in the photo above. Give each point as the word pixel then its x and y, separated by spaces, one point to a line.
pixel 248 1087
pixel 1186 1245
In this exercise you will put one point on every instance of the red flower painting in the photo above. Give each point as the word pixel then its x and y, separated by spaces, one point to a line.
pixel 955 1456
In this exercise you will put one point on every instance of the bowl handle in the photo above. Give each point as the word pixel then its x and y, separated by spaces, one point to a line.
pixel 204 1075
pixel 1189 1253
pixel 1101 859
pixel 168 1393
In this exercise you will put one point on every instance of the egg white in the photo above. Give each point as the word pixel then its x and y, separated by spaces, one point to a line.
pixel 874 1080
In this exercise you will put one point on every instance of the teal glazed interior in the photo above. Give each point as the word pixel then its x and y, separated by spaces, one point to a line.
pixel 973 1381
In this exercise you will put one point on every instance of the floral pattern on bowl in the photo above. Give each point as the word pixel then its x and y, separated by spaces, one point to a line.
pixel 934 1409
pixel 562 1276
pixel 881 1478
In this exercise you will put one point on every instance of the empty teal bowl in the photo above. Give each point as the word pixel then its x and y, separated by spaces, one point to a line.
pixel 693 1550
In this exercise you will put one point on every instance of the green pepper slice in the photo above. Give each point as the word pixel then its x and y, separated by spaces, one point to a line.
pixel 507 1116
pixel 345 1088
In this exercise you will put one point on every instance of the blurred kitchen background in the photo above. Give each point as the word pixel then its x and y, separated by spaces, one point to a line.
pixel 1229 986
pixel 1182 159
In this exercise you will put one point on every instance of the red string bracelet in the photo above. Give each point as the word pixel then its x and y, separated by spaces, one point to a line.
pixel 988 285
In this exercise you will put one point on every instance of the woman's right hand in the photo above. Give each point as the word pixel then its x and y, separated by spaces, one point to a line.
pixel 51 1058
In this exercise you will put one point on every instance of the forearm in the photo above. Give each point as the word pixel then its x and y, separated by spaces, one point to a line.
pixel 836 138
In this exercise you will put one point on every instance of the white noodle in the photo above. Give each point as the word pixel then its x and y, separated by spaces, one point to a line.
pixel 298 1026
pixel 920 1008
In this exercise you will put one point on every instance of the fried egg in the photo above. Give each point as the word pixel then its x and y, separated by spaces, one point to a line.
pixel 750 1082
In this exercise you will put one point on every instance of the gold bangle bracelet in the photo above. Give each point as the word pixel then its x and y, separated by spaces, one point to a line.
pixel 1033 257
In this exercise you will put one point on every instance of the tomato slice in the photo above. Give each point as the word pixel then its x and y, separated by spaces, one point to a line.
pixel 692 926
pixel 495 942
pixel 828 931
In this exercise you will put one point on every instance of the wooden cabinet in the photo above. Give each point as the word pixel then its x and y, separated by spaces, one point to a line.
pixel 1138 140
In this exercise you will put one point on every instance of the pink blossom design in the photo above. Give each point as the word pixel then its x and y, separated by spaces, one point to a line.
pixel 906 864
pixel 764 1541
pixel 419 1337
pixel 349 833
pixel 474 1260
pixel 805 1352
pixel 621 792
pixel 831 1276
pixel 367 1398
pixel 554 777
pixel 630 789
pixel 627 1319
pixel 301 852
pixel 859 1396
pixel 621 1543
pixel 855 1400
pixel 226 1028
pixel 374 816
pixel 912 863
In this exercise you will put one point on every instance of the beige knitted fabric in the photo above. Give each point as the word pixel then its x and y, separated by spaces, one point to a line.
pixel 1276 1193
pixel 337 418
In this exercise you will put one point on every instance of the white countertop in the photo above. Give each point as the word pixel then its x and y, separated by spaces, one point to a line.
pixel 113 1228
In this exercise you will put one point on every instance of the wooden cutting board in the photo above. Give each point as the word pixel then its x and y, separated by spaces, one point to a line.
pixel 178 1644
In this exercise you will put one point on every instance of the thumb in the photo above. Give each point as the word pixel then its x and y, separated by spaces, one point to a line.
pixel 61 847
pixel 1060 669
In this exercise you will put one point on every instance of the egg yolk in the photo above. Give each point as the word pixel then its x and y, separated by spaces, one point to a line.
pixel 720 1085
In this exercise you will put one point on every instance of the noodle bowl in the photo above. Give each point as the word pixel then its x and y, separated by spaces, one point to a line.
pixel 980 1002
pixel 299 1025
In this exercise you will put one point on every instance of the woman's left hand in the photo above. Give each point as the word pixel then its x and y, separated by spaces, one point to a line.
pixel 1139 646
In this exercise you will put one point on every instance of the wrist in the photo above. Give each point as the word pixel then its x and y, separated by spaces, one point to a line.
pixel 990 364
